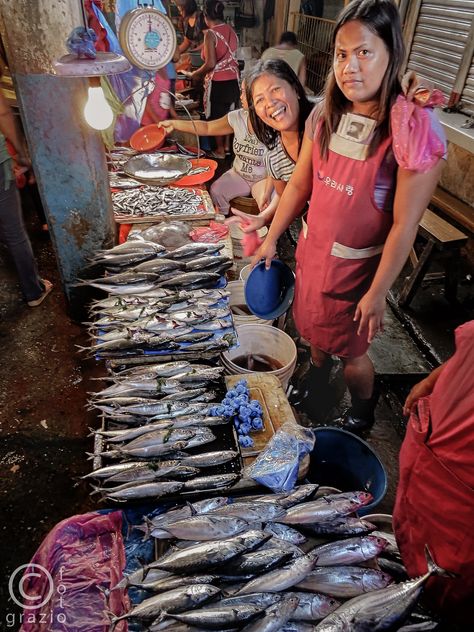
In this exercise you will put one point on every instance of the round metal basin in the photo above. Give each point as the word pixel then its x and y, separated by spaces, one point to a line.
pixel 160 169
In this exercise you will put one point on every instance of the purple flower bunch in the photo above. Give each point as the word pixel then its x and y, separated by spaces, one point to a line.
pixel 245 413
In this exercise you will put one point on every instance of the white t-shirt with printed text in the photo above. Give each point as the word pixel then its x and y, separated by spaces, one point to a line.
pixel 249 161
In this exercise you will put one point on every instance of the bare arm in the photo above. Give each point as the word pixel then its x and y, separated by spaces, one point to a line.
pixel 209 56
pixel 219 127
pixel 413 193
pixel 302 72
pixel 185 44
pixel 295 195
pixel 422 389
pixel 9 129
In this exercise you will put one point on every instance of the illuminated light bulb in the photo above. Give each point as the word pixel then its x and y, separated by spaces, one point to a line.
pixel 97 111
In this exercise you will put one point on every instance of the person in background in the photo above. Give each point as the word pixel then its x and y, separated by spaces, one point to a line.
pixel 12 229
pixel 159 105
pixel 248 175
pixel 437 480
pixel 314 8
pixel 220 69
pixel 364 207
pixel 287 49
pixel 193 26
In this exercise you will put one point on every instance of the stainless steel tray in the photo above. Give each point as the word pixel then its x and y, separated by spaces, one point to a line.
pixel 157 168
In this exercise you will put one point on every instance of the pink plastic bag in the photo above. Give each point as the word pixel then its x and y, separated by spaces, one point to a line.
pixel 251 242
pixel 416 145
pixel 159 101
pixel 78 555
pixel 210 234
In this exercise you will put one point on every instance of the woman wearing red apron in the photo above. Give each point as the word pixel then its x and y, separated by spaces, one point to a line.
pixel 435 495
pixel 355 241
pixel 220 69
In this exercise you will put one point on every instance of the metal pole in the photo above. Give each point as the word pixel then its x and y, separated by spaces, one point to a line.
pixel 68 157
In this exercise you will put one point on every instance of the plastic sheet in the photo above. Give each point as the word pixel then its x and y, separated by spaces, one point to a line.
pixel 79 554
pixel 416 144
pixel 277 465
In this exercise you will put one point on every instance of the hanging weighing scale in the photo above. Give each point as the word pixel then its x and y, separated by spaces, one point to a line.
pixel 147 37
pixel 148 40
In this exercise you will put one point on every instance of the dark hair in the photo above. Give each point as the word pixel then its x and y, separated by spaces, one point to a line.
pixel 214 10
pixel 288 37
pixel 383 19
pixel 279 68
pixel 189 7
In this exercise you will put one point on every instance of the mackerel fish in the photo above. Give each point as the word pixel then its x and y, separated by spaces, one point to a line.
pixel 383 609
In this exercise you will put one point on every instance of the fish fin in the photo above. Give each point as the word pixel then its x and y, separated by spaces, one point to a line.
pixel 193 510
pixel 163 615
pixel 434 569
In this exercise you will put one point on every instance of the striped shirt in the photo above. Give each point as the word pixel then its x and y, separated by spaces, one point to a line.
pixel 278 163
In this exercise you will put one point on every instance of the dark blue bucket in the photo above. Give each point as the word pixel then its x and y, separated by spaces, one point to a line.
pixel 342 460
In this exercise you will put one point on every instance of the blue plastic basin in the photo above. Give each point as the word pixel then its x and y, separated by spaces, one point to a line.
pixel 269 293
pixel 343 460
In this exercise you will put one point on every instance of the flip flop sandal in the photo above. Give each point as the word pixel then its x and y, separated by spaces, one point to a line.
pixel 48 286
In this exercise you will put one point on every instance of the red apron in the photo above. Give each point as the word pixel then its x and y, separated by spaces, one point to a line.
pixel 337 259
pixel 435 507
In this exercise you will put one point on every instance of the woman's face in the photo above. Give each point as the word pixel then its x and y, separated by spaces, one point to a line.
pixel 360 62
pixel 276 102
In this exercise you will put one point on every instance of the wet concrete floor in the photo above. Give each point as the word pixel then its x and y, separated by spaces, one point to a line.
pixel 43 390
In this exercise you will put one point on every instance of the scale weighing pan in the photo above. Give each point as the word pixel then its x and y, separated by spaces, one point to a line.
pixel 160 169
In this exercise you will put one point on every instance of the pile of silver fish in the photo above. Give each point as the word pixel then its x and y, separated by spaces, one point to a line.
pixel 160 301
pixel 136 262
pixel 158 413
pixel 147 201
pixel 252 564
pixel 157 436
pixel 160 304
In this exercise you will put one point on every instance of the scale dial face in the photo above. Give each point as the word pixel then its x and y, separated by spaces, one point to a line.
pixel 147 38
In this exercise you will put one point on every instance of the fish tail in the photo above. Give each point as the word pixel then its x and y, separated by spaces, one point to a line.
pixel 128 524
pixel 148 528
pixel 114 620
pixel 106 592
pixel 82 349
pixel 95 490
pixel 434 569
pixel 92 455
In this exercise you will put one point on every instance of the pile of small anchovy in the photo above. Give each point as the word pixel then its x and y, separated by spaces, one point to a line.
pixel 259 564
pixel 149 200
